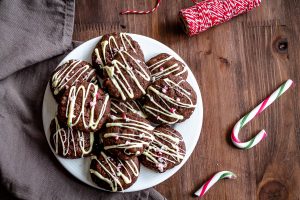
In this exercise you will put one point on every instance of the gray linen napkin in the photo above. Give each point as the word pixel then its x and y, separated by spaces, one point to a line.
pixel 33 36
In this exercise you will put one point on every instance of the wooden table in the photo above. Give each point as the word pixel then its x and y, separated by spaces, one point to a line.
pixel 237 65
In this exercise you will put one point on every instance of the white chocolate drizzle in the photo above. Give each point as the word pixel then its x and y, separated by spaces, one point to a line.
pixel 115 73
pixel 166 109
pixel 113 47
pixel 118 107
pixel 142 137
pixel 66 75
pixel 175 69
pixel 66 137
pixel 86 92
pixel 115 172
pixel 160 153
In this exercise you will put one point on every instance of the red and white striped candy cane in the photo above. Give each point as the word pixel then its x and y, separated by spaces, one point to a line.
pixel 215 178
pixel 256 111
pixel 141 12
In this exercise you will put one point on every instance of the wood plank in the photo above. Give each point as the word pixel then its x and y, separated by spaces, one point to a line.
pixel 236 64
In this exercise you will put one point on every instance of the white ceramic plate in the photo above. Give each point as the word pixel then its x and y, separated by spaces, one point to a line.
pixel 190 129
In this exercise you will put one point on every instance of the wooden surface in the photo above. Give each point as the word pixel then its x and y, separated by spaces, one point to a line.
pixel 237 65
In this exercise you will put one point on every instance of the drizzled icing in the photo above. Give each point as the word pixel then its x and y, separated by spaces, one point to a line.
pixel 130 106
pixel 116 170
pixel 71 73
pixel 69 139
pixel 112 44
pixel 165 149
pixel 116 75
pixel 140 134
pixel 86 92
pixel 168 106
pixel 159 69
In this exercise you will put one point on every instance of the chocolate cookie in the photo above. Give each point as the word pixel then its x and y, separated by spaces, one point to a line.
pixel 108 47
pixel 128 77
pixel 119 107
pixel 112 173
pixel 84 106
pixel 127 135
pixel 164 64
pixel 69 74
pixel 169 100
pixel 70 143
pixel 166 151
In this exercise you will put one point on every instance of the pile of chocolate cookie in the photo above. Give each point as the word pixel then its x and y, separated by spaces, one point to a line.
pixel 119 111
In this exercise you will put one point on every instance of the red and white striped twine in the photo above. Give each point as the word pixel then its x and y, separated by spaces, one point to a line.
pixel 209 13
pixel 141 12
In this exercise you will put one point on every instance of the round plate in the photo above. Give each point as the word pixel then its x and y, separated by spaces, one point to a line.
pixel 190 129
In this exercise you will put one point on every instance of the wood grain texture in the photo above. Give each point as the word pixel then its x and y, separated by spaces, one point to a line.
pixel 236 64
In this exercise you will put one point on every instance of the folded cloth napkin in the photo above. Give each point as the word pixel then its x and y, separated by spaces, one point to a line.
pixel 34 36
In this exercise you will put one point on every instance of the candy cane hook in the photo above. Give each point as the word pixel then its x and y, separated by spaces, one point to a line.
pixel 256 111
pixel 215 178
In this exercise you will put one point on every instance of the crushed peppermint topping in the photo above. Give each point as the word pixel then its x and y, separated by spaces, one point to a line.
pixel 98 61
pixel 172 110
pixel 160 167
pixel 165 89
pixel 113 117
pixel 92 103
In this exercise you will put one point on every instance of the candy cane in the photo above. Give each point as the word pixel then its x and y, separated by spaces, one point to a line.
pixel 257 110
pixel 141 12
pixel 215 178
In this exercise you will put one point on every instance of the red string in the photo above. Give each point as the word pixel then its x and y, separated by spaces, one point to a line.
pixel 141 12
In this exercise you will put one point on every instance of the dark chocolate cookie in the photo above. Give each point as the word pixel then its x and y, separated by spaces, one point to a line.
pixel 70 73
pixel 169 100
pixel 108 47
pixel 164 64
pixel 70 143
pixel 127 135
pixel 112 173
pixel 166 151
pixel 84 106
pixel 128 77
pixel 119 107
